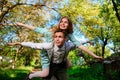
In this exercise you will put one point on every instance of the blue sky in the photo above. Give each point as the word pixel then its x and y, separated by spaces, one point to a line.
pixel 78 35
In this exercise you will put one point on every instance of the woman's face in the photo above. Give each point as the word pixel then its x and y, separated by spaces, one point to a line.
pixel 64 24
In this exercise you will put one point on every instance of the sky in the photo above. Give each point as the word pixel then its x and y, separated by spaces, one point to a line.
pixel 78 35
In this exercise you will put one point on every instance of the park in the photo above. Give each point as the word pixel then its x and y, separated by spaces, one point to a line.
pixel 96 25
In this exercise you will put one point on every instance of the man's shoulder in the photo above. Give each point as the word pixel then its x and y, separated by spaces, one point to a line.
pixel 69 44
pixel 49 45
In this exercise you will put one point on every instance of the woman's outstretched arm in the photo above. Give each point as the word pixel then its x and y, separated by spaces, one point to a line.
pixel 25 25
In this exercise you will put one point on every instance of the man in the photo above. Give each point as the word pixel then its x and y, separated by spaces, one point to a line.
pixel 57 52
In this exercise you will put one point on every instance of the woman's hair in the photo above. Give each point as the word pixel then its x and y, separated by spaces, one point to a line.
pixel 70 26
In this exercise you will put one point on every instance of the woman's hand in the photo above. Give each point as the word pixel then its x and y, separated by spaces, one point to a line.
pixel 25 25
pixel 19 24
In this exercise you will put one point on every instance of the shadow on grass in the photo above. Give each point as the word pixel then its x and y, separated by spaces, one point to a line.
pixel 75 73
pixel 86 73
pixel 13 74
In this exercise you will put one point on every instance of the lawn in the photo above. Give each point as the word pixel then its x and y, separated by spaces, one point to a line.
pixel 75 73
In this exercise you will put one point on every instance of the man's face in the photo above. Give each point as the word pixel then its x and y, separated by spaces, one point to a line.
pixel 59 38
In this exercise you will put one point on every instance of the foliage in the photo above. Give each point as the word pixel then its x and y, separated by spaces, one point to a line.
pixel 35 13
pixel 14 74
pixel 21 55
pixel 5 62
pixel 116 4
pixel 115 74
pixel 75 73
pixel 75 58
pixel 86 73
pixel 97 20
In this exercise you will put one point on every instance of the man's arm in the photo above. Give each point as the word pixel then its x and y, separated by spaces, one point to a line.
pixel 14 43
pixel 82 47
pixel 89 52
pixel 33 45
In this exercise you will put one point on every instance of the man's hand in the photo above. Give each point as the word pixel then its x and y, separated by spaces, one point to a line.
pixel 11 44
pixel 99 57
pixel 14 43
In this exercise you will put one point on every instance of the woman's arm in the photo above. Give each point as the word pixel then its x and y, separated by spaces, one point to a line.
pixel 25 25
pixel 72 38
pixel 40 30
pixel 44 31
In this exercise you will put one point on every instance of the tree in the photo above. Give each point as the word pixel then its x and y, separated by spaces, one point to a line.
pixel 35 13
pixel 96 20
pixel 116 4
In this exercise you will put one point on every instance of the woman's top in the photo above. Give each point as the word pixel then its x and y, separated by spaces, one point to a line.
pixel 48 35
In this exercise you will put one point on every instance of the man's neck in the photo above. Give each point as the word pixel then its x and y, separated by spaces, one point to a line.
pixel 60 46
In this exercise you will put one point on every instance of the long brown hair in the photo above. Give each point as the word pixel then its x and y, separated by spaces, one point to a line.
pixel 70 26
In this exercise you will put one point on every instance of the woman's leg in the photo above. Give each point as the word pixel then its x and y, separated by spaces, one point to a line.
pixel 43 73
pixel 68 63
pixel 45 65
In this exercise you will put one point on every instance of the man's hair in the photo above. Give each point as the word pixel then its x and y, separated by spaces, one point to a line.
pixel 60 30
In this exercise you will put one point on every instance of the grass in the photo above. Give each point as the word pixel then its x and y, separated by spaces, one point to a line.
pixel 75 73
pixel 86 73
pixel 14 74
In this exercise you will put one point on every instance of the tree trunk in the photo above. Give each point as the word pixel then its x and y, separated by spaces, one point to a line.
pixel 103 50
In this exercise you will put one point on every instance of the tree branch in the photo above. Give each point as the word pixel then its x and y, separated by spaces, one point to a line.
pixel 116 10
pixel 5 12
pixel 13 6
pixel 39 6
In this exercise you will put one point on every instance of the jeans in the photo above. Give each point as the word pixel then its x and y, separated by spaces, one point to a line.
pixel 57 70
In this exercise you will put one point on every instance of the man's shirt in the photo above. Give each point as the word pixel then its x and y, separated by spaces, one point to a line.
pixel 56 54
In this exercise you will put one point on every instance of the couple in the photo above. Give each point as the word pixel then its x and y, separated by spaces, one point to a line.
pixel 57 55
pixel 65 24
